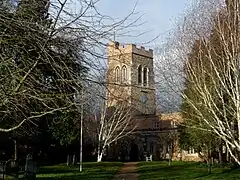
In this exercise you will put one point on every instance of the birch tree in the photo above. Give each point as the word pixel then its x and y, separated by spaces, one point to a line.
pixel 114 123
pixel 212 79
pixel 211 71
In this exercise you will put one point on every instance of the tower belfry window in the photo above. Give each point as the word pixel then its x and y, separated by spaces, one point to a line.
pixel 124 74
pixel 139 74
pixel 145 76
pixel 117 74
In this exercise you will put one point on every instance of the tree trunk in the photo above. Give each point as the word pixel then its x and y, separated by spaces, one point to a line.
pixel 170 155
pixel 209 166
pixel 209 158
pixel 15 150
pixel 99 157
pixel 169 161
pixel 210 163
pixel 68 160
pixel 227 156
pixel 100 152
pixel 74 159
pixel 170 158
pixel 220 157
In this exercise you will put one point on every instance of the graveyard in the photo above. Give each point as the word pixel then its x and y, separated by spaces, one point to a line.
pixel 92 170
pixel 155 170
pixel 87 93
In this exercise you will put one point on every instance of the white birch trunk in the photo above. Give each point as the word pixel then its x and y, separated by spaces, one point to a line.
pixel 114 124
pixel 99 157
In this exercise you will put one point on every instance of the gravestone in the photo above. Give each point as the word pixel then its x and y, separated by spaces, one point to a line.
pixel 30 168
pixel 2 169
pixel 11 168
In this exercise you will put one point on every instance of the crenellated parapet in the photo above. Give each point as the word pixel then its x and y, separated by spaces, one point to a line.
pixel 115 48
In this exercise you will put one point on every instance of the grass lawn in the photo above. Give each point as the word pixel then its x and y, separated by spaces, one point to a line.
pixel 184 171
pixel 93 170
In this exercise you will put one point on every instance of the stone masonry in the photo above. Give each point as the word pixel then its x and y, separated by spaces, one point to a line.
pixel 139 95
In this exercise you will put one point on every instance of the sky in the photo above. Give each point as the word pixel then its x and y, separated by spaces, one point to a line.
pixel 158 16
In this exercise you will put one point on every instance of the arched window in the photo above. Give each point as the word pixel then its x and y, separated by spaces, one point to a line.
pixel 139 74
pixel 145 76
pixel 124 74
pixel 117 74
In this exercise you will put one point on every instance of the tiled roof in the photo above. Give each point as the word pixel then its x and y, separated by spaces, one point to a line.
pixel 164 121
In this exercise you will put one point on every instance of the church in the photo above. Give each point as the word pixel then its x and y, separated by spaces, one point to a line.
pixel 131 79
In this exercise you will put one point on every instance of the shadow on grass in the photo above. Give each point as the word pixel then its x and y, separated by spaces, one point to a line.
pixel 163 166
pixel 90 167
pixel 183 170
pixel 104 170
pixel 79 176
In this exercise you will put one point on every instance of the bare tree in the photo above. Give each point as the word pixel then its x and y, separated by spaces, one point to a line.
pixel 214 72
pixel 173 143
pixel 207 50
pixel 170 138
pixel 171 55
pixel 113 123
pixel 46 49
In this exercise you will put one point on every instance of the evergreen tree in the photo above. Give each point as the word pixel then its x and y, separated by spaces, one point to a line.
pixel 39 72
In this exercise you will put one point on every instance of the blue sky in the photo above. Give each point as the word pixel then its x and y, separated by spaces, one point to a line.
pixel 159 16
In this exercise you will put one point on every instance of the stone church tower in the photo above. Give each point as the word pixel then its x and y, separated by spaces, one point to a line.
pixel 131 77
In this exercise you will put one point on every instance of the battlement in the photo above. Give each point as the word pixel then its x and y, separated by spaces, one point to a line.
pixel 115 48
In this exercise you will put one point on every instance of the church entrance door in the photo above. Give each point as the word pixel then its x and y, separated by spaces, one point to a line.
pixel 134 153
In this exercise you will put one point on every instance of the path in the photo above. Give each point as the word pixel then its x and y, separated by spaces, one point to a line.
pixel 128 172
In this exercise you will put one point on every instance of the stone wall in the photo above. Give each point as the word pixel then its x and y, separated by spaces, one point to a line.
pixel 131 56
